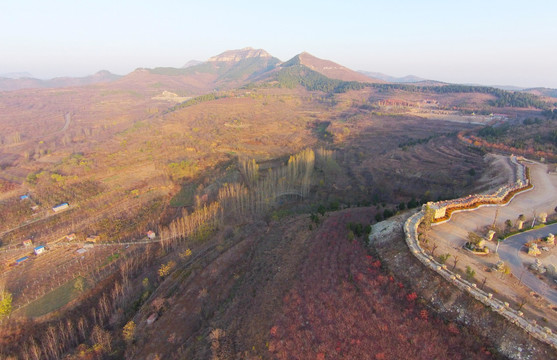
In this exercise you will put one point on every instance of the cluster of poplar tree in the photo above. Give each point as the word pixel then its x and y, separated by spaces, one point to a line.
pixel 261 192
pixel 102 311
pixel 206 218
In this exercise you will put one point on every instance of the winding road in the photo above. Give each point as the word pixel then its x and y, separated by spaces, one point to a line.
pixel 453 234
pixel 510 252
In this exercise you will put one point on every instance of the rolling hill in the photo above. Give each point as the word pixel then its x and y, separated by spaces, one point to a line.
pixel 103 76
pixel 543 92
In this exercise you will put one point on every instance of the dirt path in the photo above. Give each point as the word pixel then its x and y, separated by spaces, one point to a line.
pixel 68 119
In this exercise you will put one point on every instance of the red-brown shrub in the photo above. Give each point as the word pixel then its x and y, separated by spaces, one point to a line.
pixel 345 307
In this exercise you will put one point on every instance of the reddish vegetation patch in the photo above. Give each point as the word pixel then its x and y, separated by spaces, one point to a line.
pixel 6 185
pixel 344 306
pixel 481 143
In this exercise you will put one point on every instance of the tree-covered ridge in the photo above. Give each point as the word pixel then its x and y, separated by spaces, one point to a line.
pixel 536 137
pixel 294 75
pixel 249 68
pixel 504 98
pixel 196 100
pixel 206 68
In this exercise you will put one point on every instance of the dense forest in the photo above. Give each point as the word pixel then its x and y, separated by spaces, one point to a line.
pixel 504 98
pixel 294 75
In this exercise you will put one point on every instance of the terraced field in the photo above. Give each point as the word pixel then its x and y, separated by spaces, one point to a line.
pixel 431 163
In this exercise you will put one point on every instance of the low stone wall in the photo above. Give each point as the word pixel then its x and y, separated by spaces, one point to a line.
pixel 521 182
pixel 516 317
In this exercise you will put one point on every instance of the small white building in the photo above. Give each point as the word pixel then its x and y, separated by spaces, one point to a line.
pixel 39 249
pixel 61 207
pixel 151 234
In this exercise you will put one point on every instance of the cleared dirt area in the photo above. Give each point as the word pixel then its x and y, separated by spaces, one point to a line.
pixel 450 237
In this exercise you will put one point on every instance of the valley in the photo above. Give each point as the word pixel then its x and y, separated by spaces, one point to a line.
pixel 222 210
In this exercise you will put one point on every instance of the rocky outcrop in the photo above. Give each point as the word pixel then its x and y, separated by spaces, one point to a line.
pixel 239 55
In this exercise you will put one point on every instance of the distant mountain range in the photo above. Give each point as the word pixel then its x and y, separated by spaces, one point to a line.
pixel 412 79
pixel 16 75
pixel 392 79
pixel 227 70
pixel 235 68
pixel 17 81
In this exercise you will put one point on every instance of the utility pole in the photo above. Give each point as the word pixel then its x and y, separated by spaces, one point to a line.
pixel 533 221
pixel 495 218
pixel 520 279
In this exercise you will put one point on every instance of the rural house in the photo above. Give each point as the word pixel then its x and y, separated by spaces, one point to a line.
pixel 61 207
pixel 39 249
pixel 20 260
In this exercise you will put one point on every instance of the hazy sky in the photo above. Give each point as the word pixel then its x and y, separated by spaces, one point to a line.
pixel 488 42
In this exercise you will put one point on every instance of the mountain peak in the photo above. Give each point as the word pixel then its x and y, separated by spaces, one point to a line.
pixel 191 63
pixel 328 68
pixel 103 73
pixel 239 55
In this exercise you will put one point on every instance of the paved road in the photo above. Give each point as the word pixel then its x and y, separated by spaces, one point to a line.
pixel 509 251
pixel 542 198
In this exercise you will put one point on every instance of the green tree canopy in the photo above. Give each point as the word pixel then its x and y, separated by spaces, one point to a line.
pixel 5 304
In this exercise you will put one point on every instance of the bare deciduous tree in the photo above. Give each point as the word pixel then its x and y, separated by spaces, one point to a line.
pixel 455 262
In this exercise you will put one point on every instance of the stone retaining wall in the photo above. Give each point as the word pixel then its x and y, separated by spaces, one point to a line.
pixel 442 210
pixel 516 317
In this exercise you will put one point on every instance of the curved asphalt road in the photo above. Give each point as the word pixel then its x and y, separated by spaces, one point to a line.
pixel 509 251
